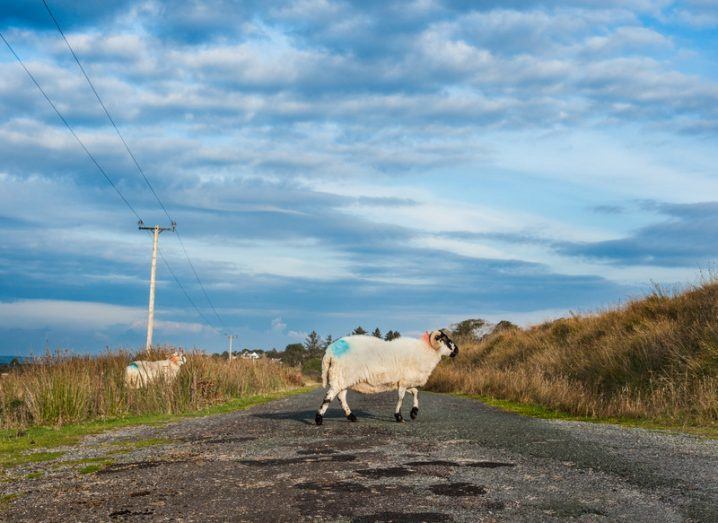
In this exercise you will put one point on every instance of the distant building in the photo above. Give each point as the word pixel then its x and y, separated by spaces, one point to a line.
pixel 250 355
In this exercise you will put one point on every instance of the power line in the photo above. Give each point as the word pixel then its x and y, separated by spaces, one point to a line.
pixel 198 281
pixel 69 127
pixel 134 159
pixel 107 113
pixel 107 177
pixel 184 291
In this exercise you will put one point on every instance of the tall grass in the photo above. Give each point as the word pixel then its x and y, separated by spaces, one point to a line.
pixel 655 358
pixel 61 388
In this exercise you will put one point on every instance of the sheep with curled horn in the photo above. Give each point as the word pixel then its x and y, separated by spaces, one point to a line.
pixel 368 365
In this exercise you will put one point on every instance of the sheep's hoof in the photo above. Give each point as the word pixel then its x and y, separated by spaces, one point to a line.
pixel 351 417
pixel 414 412
pixel 318 419
pixel 398 417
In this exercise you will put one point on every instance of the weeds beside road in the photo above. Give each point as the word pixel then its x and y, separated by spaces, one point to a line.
pixel 68 389
pixel 653 359
pixel 31 445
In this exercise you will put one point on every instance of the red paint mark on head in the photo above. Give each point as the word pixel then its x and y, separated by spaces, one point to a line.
pixel 426 339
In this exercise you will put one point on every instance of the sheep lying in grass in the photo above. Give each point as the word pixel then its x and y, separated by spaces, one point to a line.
pixel 141 373
pixel 367 364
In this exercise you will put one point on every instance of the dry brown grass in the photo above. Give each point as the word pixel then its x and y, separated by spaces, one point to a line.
pixel 60 388
pixel 655 358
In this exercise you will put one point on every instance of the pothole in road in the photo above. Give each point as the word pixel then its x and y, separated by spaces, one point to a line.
pixel 489 464
pixel 340 486
pixel 460 489
pixel 401 517
pixel 388 472
pixel 219 439
pixel 273 462
pixel 129 513
pixel 494 505
pixel 434 463
pixel 140 493
pixel 445 463
pixel 136 465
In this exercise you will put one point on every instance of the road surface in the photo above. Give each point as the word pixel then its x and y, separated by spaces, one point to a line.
pixel 459 461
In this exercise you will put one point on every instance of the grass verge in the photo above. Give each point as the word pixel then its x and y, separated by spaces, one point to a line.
pixel 95 467
pixel 65 389
pixel 15 445
pixel 538 411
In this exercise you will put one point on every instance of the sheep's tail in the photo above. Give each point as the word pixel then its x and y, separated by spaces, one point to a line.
pixel 326 363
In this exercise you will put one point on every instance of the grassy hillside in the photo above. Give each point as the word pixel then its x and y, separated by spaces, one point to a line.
pixel 62 389
pixel 655 358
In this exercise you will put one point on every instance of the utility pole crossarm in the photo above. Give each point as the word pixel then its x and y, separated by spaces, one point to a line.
pixel 141 226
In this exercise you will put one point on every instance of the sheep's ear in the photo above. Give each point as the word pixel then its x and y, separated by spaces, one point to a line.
pixel 434 340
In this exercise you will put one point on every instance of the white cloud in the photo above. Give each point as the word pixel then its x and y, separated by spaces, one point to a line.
pixel 278 325
pixel 297 335
pixel 37 314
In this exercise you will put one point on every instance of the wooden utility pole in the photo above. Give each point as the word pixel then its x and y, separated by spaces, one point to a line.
pixel 151 313
pixel 230 337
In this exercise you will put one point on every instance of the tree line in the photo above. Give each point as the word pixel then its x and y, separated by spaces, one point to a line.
pixel 313 347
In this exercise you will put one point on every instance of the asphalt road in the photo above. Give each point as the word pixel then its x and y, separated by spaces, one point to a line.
pixel 459 461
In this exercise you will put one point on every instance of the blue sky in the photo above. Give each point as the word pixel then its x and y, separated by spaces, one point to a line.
pixel 394 164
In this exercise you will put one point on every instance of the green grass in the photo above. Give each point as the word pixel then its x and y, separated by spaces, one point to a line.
pixel 35 475
pixel 95 467
pixel 7 499
pixel 538 411
pixel 17 458
pixel 14 444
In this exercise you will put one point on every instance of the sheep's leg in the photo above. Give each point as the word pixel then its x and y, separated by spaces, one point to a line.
pixel 343 401
pixel 331 393
pixel 397 412
pixel 415 406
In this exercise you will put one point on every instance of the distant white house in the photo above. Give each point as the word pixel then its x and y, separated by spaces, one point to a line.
pixel 250 355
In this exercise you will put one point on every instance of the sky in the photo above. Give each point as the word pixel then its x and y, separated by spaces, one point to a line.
pixel 404 165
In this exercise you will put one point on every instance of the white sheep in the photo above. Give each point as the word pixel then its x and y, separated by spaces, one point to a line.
pixel 368 365
pixel 141 373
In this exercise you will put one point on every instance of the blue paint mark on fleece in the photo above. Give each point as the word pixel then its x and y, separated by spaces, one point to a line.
pixel 340 347
pixel 133 364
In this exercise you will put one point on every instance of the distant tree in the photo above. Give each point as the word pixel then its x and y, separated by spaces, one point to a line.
pixel 293 354
pixel 359 331
pixel 392 335
pixel 469 329
pixel 273 354
pixel 376 333
pixel 314 345
pixel 504 325
pixel 328 341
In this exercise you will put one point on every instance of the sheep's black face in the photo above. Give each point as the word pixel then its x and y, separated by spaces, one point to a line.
pixel 444 338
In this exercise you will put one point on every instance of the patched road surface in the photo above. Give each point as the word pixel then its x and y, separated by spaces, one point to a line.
pixel 459 461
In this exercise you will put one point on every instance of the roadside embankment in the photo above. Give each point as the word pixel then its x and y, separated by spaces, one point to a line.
pixel 654 359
